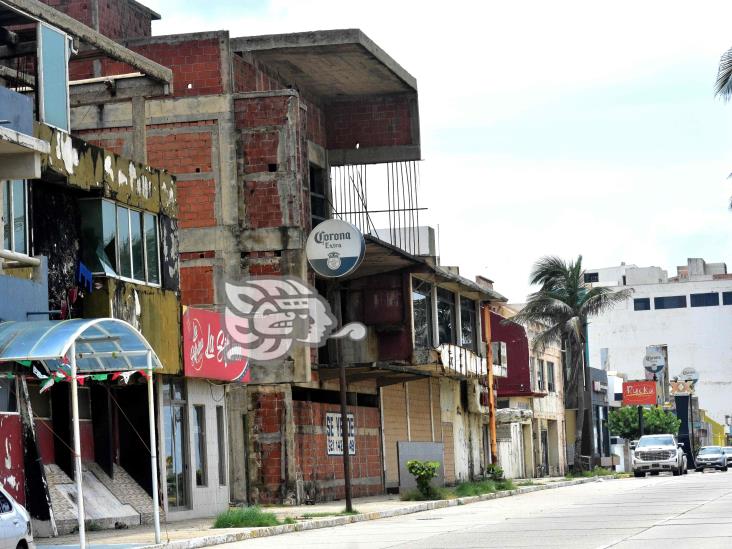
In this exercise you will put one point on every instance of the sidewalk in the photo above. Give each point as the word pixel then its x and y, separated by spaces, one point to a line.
pixel 192 534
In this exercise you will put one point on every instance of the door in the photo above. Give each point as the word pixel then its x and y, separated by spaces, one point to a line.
pixel 176 466
pixel 545 451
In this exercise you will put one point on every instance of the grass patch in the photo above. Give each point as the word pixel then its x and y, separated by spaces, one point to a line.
pixel 596 472
pixel 528 482
pixel 462 490
pixel 325 514
pixel 248 517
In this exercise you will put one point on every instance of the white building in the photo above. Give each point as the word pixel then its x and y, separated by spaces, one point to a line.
pixel 689 314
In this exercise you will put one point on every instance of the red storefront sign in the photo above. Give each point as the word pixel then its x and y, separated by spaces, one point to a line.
pixel 204 348
pixel 639 393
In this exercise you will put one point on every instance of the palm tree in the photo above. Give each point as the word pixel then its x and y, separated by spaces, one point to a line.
pixel 563 304
pixel 723 86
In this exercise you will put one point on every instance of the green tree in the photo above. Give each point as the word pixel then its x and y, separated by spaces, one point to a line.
pixel 656 421
pixel 563 304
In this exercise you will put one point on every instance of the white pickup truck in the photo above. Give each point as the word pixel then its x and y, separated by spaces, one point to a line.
pixel 656 453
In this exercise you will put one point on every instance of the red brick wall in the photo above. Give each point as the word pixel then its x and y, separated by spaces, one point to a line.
pixel 180 152
pixel 379 122
pixel 117 19
pixel 112 139
pixel 317 466
pixel 196 285
pixel 196 204
pixel 249 76
pixel 269 414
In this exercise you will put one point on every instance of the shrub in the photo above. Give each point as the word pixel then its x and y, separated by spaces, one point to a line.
pixel 494 472
pixel 424 472
pixel 246 517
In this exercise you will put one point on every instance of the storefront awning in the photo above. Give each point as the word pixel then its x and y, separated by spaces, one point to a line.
pixel 101 344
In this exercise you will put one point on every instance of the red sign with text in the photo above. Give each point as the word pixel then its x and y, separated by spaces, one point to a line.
pixel 204 348
pixel 639 393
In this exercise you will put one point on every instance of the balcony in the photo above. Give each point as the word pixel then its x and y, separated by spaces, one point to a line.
pixel 23 287
pixel 20 152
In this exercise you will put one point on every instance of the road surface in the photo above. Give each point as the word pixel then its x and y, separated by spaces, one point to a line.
pixel 692 511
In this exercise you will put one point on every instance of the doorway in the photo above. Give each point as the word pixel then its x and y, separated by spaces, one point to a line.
pixel 176 433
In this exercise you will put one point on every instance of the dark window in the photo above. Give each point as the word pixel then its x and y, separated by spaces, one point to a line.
pixel 221 432
pixel 550 377
pixel 40 402
pixel 727 298
pixel 8 399
pixel 318 195
pixel 710 299
pixel 446 316
pixel 5 506
pixel 467 322
pixel 669 302
pixel 592 277
pixel 642 304
pixel 199 438
pixel 540 375
pixel 422 311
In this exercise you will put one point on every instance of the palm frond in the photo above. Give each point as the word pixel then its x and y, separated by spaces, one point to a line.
pixel 598 300
pixel 547 271
pixel 553 334
pixel 723 86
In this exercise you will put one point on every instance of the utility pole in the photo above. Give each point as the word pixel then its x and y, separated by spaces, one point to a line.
pixel 335 298
pixel 640 420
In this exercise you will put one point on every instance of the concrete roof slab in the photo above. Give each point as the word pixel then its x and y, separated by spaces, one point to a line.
pixel 331 64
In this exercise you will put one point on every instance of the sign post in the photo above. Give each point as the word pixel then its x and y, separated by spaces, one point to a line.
pixel 334 249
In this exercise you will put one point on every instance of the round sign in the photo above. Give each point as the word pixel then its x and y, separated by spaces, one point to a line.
pixel 335 248
pixel 689 374
pixel 654 361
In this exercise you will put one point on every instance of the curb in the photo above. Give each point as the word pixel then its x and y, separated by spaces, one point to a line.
pixel 267 531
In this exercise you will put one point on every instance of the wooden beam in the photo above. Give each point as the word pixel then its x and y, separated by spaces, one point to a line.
pixel 91 37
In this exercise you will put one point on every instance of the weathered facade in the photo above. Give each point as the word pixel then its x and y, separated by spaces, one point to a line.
pixel 85 233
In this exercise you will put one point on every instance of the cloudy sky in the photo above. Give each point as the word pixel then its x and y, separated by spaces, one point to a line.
pixel 547 127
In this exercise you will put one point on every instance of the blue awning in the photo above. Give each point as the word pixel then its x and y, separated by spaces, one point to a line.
pixel 102 344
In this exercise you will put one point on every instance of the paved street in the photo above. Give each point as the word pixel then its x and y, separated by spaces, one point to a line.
pixel 656 512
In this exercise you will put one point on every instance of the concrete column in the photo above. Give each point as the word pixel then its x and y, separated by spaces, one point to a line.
pixel 139 132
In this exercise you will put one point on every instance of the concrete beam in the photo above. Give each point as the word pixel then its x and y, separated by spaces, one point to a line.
pixel 18 50
pixel 91 37
pixel 8 37
pixel 374 155
pixel 103 90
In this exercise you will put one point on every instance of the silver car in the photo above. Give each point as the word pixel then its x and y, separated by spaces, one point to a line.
pixel 15 524
pixel 728 450
pixel 711 457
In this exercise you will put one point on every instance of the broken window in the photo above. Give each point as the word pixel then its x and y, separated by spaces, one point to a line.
pixel 119 241
pixel 446 316
pixel 467 323
pixel 14 215
pixel 422 313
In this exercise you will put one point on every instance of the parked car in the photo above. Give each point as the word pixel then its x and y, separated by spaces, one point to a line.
pixel 656 453
pixel 711 457
pixel 15 524
pixel 728 451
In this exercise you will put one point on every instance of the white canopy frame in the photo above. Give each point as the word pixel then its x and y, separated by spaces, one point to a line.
pixel 100 345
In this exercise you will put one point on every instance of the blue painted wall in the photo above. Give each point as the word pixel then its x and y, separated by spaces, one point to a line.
pixel 18 297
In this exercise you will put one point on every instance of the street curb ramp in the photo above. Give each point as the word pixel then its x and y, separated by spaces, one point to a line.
pixel 253 533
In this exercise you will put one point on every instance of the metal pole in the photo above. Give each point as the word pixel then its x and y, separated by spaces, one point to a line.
pixel 77 447
pixel 640 420
pixel 153 446
pixel 344 434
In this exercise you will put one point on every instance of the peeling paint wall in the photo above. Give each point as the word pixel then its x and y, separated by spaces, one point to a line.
pixel 11 456
pixel 153 311
pixel 88 168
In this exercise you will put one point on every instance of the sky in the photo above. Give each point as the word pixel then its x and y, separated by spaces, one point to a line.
pixel 548 128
